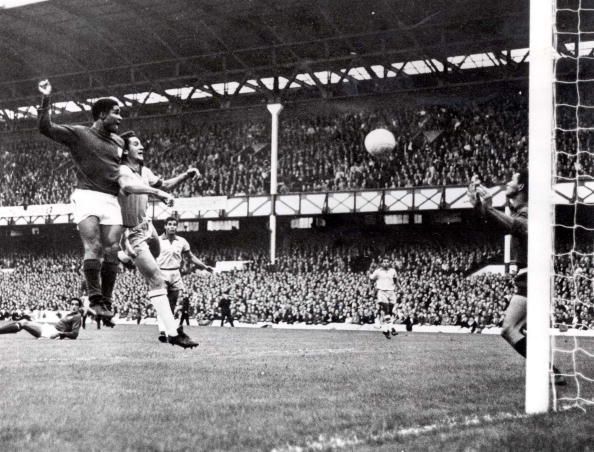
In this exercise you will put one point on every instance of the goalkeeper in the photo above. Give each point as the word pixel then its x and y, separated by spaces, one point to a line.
pixel 516 224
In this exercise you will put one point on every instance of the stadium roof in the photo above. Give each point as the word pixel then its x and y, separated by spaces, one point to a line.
pixel 155 50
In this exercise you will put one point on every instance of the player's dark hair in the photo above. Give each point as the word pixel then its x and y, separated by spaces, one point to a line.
pixel 103 105
pixel 126 137
pixel 80 303
pixel 168 219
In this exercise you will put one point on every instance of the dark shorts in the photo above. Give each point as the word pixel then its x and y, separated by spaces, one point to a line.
pixel 387 308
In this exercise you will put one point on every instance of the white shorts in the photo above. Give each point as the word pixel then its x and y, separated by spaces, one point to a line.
pixel 90 203
pixel 173 279
pixel 47 330
pixel 386 296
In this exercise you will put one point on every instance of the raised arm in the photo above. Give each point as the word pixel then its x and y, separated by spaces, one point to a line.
pixel 169 184
pixel 517 225
pixel 131 185
pixel 61 134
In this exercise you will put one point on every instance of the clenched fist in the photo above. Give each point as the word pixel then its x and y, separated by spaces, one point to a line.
pixel 45 87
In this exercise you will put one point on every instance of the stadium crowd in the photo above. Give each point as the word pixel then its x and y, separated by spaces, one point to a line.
pixel 314 284
pixel 435 145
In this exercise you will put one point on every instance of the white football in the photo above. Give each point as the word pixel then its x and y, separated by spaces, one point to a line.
pixel 380 142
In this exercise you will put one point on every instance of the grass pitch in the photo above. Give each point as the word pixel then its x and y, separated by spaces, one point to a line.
pixel 270 389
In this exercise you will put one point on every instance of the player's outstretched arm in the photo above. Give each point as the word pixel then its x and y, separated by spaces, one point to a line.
pixel 512 225
pixel 201 265
pixel 130 185
pixel 61 134
pixel 169 184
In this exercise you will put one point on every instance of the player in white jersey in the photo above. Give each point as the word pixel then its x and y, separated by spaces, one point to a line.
pixel 385 285
pixel 137 183
pixel 173 251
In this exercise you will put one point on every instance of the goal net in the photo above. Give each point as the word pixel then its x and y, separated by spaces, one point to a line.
pixel 572 143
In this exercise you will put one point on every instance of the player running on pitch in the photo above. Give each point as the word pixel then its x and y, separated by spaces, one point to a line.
pixel 385 285
pixel 173 250
pixel 516 224
pixel 96 153
pixel 66 328
pixel 137 184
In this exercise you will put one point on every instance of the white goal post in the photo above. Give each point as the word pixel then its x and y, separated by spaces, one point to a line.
pixel 540 205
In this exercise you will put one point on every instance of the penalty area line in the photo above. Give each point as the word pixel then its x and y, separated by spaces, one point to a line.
pixel 325 442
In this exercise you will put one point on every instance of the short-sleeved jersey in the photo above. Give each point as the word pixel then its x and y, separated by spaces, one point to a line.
pixel 134 206
pixel 172 252
pixel 384 279
pixel 96 154
pixel 70 323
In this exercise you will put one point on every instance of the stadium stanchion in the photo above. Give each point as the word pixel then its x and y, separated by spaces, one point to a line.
pixel 275 110
pixel 540 206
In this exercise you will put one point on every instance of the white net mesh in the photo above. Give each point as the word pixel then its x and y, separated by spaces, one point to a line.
pixel 573 309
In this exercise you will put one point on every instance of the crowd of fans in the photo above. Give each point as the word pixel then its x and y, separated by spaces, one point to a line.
pixel 435 145
pixel 317 284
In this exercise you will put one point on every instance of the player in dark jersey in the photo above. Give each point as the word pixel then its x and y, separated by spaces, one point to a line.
pixel 516 224
pixel 225 306
pixel 96 153
pixel 185 311
pixel 66 328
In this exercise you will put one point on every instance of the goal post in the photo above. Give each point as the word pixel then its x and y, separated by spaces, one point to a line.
pixel 540 205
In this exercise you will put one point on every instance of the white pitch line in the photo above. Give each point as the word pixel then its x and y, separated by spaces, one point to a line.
pixel 337 442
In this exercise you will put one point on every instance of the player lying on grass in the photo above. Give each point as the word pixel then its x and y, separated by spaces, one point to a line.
pixel 137 183
pixel 516 224
pixel 66 328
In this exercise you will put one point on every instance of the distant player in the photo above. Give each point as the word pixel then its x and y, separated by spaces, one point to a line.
pixel 66 328
pixel 96 153
pixel 385 285
pixel 225 306
pixel 185 311
pixel 137 183
pixel 516 224
pixel 173 250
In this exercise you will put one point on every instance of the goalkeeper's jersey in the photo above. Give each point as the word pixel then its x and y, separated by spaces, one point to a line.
pixel 519 240
pixel 519 247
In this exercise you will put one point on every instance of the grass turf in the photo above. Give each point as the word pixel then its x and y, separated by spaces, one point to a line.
pixel 265 389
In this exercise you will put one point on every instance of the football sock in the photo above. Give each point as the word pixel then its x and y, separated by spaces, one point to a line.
pixel 109 272
pixel 10 328
pixel 520 347
pixel 92 269
pixel 173 296
pixel 161 304
pixel 160 324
